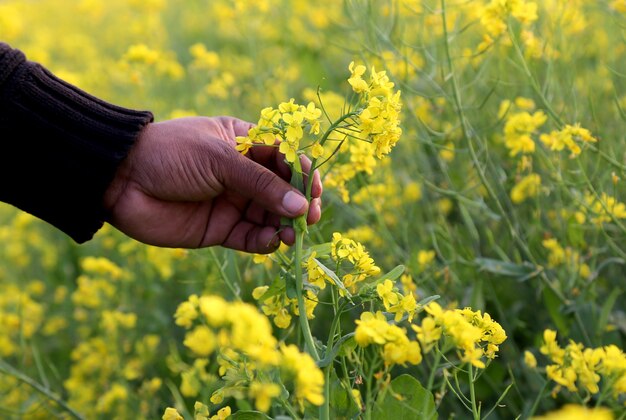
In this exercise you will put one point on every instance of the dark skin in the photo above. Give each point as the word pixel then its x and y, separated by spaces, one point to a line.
pixel 183 184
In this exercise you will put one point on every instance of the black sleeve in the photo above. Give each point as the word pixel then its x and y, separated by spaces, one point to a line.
pixel 59 146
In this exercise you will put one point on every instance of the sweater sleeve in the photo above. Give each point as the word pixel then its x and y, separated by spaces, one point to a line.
pixel 60 146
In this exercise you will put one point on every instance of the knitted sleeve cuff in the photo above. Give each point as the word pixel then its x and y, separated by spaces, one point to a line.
pixel 61 146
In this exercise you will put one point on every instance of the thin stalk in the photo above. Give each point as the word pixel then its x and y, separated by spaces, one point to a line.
pixel 325 408
pixel 304 322
pixel 10 371
pixel 327 133
pixel 299 226
pixel 538 399
pixel 289 409
pixel 368 386
pixel 433 371
pixel 475 408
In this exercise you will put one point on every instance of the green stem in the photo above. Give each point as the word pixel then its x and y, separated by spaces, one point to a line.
pixel 325 408
pixel 289 409
pixel 368 386
pixel 299 226
pixel 538 399
pixel 327 133
pixel 475 409
pixel 433 371
pixel 304 322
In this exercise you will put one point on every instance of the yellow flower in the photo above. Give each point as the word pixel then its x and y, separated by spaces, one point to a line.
pixel 262 393
pixel 317 150
pixel 517 131
pixel 309 379
pixel 567 137
pixel 243 144
pixel 171 414
pixel 386 293
pixel 526 188
pixel 424 258
pixel 200 340
pixel 222 414
pixel 530 360
pixel 356 81
pixel 577 412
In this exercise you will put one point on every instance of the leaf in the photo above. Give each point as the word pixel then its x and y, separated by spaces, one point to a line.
pixel 330 273
pixel 553 305
pixel 521 272
pixel 405 399
pixel 392 275
pixel 342 403
pixel 332 353
pixel 606 310
pixel 249 415
pixel 276 288
pixel 320 250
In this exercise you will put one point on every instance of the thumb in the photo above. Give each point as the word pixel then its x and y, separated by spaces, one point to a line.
pixel 253 181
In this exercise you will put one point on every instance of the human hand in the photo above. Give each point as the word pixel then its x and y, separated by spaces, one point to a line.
pixel 183 184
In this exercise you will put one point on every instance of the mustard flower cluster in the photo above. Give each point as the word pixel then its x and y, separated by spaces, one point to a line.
pixel 475 335
pixel 565 256
pixel 520 124
pixel 396 347
pixel 248 354
pixel 395 302
pixel 279 306
pixel 287 124
pixel 379 120
pixel 495 14
pixel 602 209
pixel 581 369
pixel 568 137
pixel 346 250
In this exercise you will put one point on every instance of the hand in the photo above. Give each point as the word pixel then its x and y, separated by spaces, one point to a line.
pixel 183 184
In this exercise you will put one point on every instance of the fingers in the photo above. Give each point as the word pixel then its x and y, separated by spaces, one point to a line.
pixel 253 181
pixel 252 238
pixel 272 159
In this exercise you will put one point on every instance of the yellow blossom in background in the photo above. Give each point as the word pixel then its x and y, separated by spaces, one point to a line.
pixel 530 360
pixel 577 412
pixel 425 258
pixel 263 393
pixel 525 188
pixel 619 5
pixel 518 130
pixel 567 138
pixel 603 209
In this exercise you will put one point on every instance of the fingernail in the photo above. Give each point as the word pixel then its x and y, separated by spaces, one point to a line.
pixel 294 202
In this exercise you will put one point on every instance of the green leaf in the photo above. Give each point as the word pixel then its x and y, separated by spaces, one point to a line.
pixel 342 403
pixel 330 273
pixel 521 272
pixel 276 288
pixel 606 310
pixel 332 353
pixel 405 399
pixel 554 306
pixel 249 415
pixel 321 250
pixel 392 275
